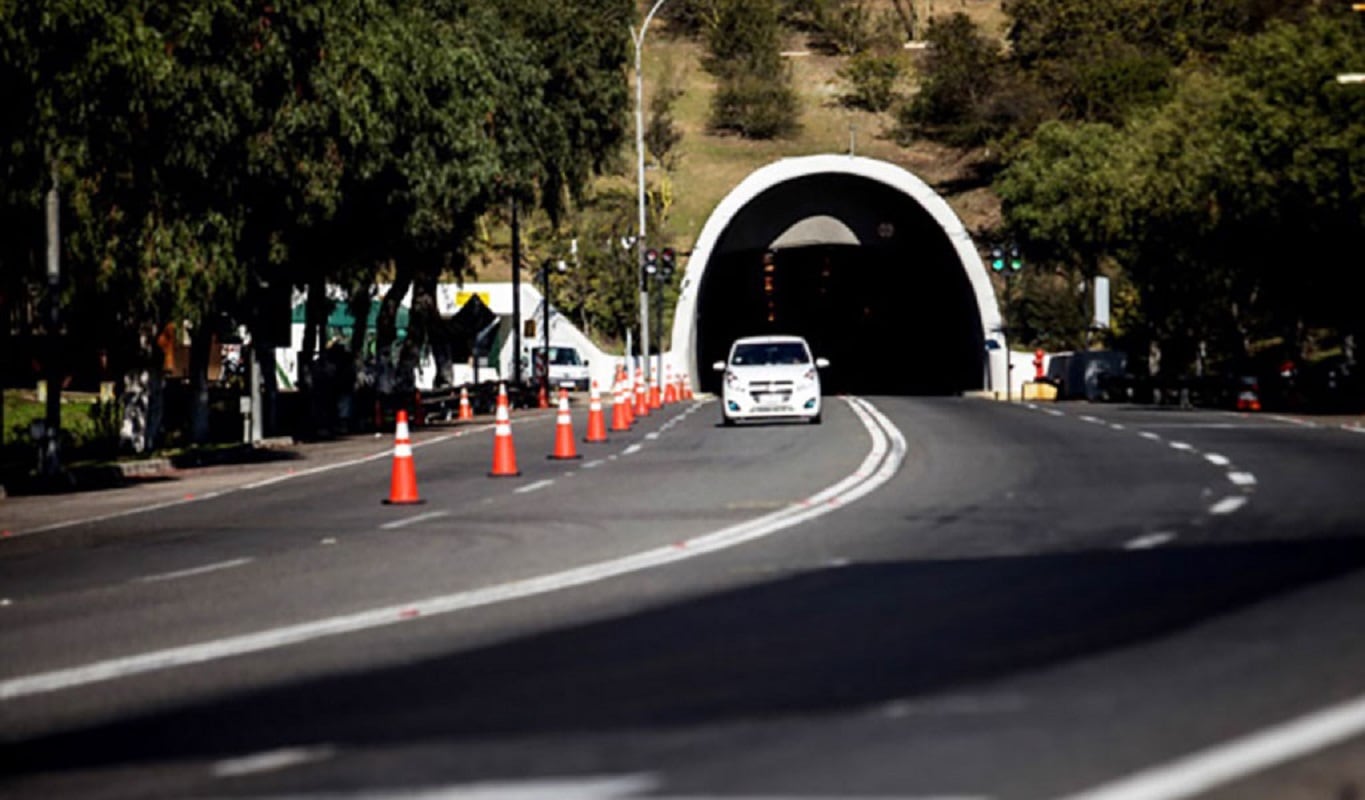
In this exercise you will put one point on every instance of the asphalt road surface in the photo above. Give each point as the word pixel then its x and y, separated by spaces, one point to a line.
pixel 920 598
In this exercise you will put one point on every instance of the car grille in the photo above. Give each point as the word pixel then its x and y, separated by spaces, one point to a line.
pixel 760 389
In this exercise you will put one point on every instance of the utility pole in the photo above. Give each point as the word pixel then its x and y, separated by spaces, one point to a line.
pixel 516 299
pixel 639 38
pixel 50 458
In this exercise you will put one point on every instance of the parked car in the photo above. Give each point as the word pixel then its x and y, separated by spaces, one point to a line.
pixel 770 377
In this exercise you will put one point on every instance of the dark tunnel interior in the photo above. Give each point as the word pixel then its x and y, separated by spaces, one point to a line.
pixel 893 312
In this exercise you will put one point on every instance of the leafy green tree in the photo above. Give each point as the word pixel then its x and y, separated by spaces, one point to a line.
pixel 754 97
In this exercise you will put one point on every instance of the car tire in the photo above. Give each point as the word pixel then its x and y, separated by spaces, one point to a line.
pixel 727 421
pixel 816 420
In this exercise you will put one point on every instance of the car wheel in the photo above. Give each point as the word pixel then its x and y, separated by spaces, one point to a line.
pixel 727 421
pixel 815 420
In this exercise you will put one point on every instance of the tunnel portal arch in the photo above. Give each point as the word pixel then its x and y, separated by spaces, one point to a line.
pixel 858 255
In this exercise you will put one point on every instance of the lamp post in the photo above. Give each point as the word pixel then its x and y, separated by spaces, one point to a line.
pixel 639 38
pixel 545 319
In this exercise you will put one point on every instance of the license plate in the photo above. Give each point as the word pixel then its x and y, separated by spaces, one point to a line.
pixel 770 409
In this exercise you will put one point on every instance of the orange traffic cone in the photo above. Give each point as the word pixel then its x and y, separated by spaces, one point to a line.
pixel 655 402
pixel 628 395
pixel 564 446
pixel 542 401
pixel 670 387
pixel 504 453
pixel 597 421
pixel 641 395
pixel 687 386
pixel 466 411
pixel 620 408
pixel 403 484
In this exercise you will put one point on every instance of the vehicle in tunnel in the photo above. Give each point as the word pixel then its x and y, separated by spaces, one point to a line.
pixel 770 377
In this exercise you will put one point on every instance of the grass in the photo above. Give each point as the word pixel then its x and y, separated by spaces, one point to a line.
pixel 22 409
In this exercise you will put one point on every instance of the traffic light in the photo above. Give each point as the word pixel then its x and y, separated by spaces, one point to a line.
pixel 1016 260
pixel 997 259
pixel 651 261
pixel 667 261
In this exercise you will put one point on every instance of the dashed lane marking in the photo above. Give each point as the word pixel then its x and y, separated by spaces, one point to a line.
pixel 271 761
pixel 1183 446
pixel 1228 504
pixel 1217 460
pixel 532 487
pixel 1242 478
pixel 403 523
pixel 1149 541
pixel 193 571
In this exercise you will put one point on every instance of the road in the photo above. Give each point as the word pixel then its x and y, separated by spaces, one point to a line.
pixel 920 598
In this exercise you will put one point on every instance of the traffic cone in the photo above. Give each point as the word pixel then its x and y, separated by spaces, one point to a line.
pixel 687 386
pixel 670 387
pixel 564 446
pixel 620 409
pixel 403 483
pixel 641 395
pixel 655 402
pixel 542 401
pixel 466 411
pixel 504 452
pixel 628 395
pixel 597 421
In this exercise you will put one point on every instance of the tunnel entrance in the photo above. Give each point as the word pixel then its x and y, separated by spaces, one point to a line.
pixel 874 279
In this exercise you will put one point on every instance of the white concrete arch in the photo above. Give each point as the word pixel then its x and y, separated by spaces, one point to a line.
pixel 685 319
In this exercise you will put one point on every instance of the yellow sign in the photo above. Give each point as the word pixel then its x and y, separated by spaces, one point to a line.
pixel 463 297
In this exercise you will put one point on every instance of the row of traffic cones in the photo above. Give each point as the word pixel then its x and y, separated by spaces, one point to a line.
pixel 403 483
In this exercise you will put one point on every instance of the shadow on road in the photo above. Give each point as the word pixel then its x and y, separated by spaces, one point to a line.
pixel 812 643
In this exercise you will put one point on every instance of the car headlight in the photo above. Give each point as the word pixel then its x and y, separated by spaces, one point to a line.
pixel 809 378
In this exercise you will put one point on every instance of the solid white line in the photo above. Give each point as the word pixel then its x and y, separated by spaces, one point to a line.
pixel 271 761
pixel 1242 478
pixel 187 573
pixel 883 460
pixel 1228 505
pixel 1217 460
pixel 1149 541
pixel 1221 764
pixel 402 523
pixel 533 487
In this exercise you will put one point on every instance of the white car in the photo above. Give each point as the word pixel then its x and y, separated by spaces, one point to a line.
pixel 770 377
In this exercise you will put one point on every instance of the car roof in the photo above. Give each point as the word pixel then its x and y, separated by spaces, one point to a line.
pixel 768 339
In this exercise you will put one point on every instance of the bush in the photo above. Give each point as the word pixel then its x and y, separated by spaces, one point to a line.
pixel 754 108
pixel 872 81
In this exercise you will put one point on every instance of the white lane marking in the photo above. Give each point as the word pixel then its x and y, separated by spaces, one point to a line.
pixel 1228 505
pixel 1181 446
pixel 632 450
pixel 1149 541
pixel 1353 428
pixel 1224 763
pixel 271 761
pixel 1292 421
pixel 180 501
pixel 192 571
pixel 652 436
pixel 594 464
pixel 1217 460
pixel 532 487
pixel 1116 426
pixel 406 521
pixel 883 460
pixel 1053 412
pixel 1242 478
pixel 1090 419
pixel 1149 436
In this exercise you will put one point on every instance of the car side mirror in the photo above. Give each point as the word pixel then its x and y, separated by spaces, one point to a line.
pixel 821 363
pixel 719 366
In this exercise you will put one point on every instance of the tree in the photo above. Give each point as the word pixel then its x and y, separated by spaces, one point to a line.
pixel 753 97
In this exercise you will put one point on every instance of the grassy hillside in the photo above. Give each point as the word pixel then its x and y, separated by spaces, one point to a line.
pixel 712 165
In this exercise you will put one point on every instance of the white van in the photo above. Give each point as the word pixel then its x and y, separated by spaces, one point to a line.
pixel 568 368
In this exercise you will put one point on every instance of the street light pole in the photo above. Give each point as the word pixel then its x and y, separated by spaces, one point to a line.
pixel 639 38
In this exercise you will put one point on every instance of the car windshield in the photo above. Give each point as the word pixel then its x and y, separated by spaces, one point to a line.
pixel 564 357
pixel 769 354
